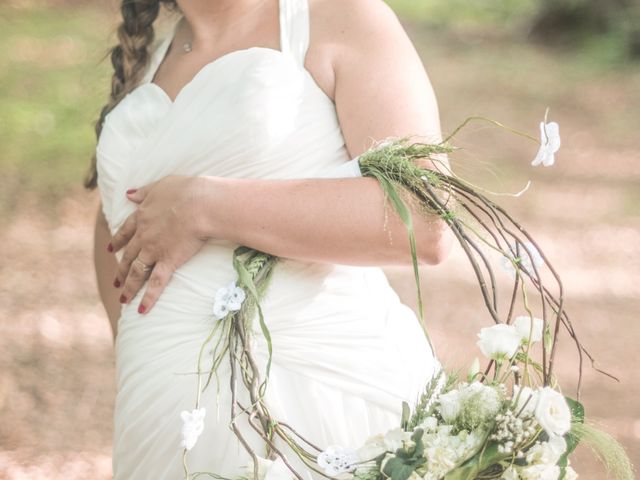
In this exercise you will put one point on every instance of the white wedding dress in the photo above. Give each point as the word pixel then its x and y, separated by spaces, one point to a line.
pixel 346 351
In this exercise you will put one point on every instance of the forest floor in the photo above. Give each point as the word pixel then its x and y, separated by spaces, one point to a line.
pixel 56 358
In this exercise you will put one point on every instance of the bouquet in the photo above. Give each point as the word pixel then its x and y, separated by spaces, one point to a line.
pixel 508 420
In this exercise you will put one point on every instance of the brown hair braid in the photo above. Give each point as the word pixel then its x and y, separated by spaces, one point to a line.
pixel 129 59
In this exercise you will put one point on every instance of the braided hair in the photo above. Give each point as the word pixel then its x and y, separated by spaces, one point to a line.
pixel 129 59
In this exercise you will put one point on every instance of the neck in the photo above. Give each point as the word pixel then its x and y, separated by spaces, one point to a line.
pixel 208 19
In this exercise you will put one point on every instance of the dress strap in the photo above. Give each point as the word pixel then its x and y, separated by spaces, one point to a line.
pixel 294 28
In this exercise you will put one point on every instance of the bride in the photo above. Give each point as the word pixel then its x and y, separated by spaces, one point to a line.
pixel 234 130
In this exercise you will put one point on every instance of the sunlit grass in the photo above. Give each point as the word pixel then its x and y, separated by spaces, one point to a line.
pixel 53 83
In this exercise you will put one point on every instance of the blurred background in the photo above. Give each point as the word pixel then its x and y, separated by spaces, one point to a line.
pixel 505 59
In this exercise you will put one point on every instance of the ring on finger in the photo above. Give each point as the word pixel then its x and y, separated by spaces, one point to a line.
pixel 143 267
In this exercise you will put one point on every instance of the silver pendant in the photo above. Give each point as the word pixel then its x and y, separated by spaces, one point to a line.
pixel 186 47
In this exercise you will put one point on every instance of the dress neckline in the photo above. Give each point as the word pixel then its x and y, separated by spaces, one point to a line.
pixel 161 53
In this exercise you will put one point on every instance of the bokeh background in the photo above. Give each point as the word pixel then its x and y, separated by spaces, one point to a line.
pixel 504 59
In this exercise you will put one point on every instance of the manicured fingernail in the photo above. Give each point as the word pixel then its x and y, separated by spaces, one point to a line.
pixel 141 308
pixel 132 191
pixel 116 283
pixel 109 247
pixel 123 299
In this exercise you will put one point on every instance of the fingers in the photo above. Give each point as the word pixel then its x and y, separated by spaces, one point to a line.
pixel 129 255
pixel 124 234
pixel 141 268
pixel 137 195
pixel 155 286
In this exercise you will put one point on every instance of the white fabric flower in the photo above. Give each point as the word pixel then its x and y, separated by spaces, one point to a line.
pixel 528 257
pixel 549 144
pixel 522 325
pixel 336 459
pixel 228 298
pixel 499 342
pixel 552 412
pixel 192 426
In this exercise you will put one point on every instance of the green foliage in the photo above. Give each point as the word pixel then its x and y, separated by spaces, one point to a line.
pixel 407 458
pixel 53 84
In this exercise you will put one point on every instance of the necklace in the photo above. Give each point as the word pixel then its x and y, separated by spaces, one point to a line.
pixel 186 46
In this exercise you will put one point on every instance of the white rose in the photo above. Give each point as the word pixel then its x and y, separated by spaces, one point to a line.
pixel 373 447
pixel 570 474
pixel 522 325
pixel 527 400
pixel 547 453
pixel 393 439
pixel 429 424
pixel 510 474
pixel 499 342
pixel 540 472
pixel 552 412
pixel 450 405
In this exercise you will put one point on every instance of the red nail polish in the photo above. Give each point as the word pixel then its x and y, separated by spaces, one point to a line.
pixel 141 308
pixel 109 247
pixel 116 283
pixel 123 299
pixel 132 191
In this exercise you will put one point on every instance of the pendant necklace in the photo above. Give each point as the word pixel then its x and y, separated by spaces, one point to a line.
pixel 186 46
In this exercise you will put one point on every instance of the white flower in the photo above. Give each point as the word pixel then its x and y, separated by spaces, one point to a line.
pixel 570 474
pixel 429 424
pixel 547 453
pixel 527 400
pixel 540 472
pixel 510 474
pixel 523 327
pixel 269 469
pixel 228 298
pixel 372 448
pixel 450 405
pixel 192 426
pixel 552 412
pixel 395 438
pixel 549 144
pixel 336 460
pixel 528 257
pixel 499 342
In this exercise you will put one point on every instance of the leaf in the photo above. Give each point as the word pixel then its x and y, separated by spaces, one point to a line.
pixel 406 413
pixel 247 281
pixel 577 416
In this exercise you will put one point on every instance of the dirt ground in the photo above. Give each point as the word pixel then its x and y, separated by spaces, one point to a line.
pixel 57 386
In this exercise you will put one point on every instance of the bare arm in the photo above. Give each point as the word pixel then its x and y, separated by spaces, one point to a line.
pixel 106 266
pixel 381 90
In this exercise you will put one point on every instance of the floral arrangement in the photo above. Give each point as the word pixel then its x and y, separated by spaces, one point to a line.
pixel 508 420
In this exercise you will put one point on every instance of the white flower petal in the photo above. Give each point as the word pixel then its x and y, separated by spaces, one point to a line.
pixel 549 144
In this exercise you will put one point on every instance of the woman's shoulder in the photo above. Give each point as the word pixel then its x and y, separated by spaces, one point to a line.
pixel 354 22
pixel 347 34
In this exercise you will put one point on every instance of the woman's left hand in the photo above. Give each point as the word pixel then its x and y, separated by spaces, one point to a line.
pixel 163 233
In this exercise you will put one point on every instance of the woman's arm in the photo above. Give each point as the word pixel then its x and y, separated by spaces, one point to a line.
pixel 106 266
pixel 381 90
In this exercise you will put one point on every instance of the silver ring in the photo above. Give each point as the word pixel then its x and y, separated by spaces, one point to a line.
pixel 142 266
